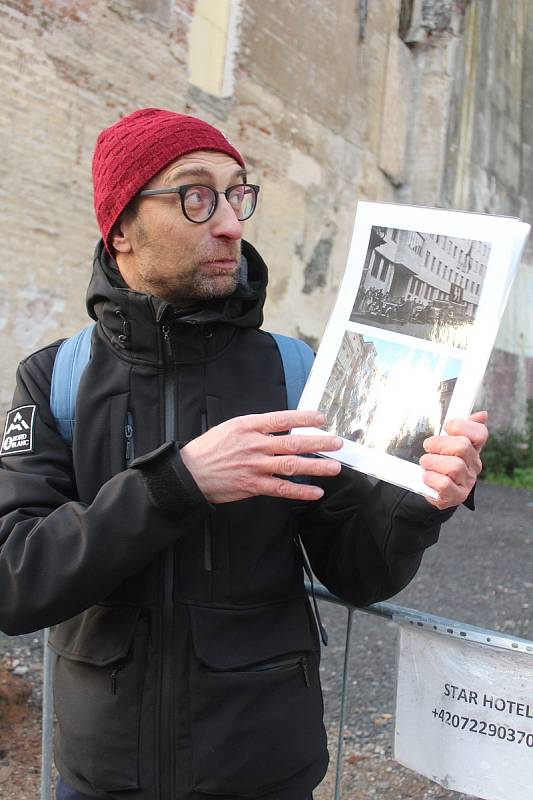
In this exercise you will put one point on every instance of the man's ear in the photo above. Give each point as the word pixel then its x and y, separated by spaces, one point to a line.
pixel 119 238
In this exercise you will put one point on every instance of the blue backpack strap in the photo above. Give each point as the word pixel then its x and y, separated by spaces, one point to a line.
pixel 297 358
pixel 71 359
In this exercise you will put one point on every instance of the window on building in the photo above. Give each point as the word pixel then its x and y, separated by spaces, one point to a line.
pixel 376 265
pixel 382 274
pixel 214 31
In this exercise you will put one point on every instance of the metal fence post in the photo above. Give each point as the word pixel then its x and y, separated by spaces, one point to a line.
pixel 46 739
pixel 340 742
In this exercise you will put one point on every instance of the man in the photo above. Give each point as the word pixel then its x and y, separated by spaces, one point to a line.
pixel 164 546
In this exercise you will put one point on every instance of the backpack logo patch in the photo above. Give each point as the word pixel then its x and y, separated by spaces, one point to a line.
pixel 18 431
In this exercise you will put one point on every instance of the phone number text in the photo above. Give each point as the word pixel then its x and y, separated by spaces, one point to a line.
pixel 503 732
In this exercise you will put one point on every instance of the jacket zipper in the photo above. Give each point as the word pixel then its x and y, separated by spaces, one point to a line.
pixel 170 407
pixel 166 744
pixel 128 436
pixel 114 677
pixel 208 530
pixel 289 663
pixel 276 666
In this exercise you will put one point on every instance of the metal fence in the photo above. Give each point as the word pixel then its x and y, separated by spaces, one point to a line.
pixel 387 610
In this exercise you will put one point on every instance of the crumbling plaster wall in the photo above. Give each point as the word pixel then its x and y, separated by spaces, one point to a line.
pixel 322 116
pixel 488 168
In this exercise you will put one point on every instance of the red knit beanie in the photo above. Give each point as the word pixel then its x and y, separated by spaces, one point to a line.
pixel 129 153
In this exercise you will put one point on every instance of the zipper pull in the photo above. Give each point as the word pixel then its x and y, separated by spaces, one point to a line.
pixel 305 672
pixel 128 433
pixel 114 673
pixel 165 329
pixel 308 571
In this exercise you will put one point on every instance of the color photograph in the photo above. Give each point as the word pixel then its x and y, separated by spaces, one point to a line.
pixel 369 396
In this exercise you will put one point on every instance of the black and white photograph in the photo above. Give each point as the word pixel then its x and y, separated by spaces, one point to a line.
pixel 369 400
pixel 426 285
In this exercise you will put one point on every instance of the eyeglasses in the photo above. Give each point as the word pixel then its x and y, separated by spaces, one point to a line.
pixel 199 203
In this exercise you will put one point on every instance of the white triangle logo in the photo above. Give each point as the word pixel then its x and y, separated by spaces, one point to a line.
pixel 18 424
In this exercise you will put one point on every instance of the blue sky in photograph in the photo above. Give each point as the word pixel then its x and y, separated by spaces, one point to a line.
pixel 389 353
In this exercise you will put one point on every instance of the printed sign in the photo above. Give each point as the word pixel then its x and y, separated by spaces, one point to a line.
pixel 464 714
pixel 18 431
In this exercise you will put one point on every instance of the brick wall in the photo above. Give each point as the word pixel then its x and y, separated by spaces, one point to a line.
pixel 323 115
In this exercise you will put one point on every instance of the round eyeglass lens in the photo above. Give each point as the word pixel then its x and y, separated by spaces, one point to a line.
pixel 198 203
pixel 242 199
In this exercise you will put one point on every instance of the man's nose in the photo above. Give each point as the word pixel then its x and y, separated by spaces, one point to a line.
pixel 224 221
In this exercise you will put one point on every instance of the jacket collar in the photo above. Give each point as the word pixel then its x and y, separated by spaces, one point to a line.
pixel 132 321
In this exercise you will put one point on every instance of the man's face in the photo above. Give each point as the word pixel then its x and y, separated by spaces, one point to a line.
pixel 160 252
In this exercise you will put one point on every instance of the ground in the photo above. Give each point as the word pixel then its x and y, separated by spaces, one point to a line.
pixel 20 736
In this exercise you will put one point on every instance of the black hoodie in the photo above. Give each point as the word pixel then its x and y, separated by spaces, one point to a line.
pixel 186 651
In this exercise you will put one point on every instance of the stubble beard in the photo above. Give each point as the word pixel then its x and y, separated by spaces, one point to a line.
pixel 189 284
pixel 198 287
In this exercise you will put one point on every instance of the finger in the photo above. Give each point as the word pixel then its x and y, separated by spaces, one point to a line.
pixel 292 465
pixel 450 494
pixel 277 421
pixel 452 466
pixel 476 432
pixel 460 446
pixel 480 416
pixel 277 487
pixel 299 443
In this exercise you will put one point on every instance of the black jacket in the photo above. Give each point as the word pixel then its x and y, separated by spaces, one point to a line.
pixel 187 654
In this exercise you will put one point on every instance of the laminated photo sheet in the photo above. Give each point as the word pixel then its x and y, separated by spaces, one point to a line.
pixel 411 332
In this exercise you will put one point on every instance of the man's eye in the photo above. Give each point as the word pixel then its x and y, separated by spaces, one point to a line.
pixel 195 197
pixel 236 196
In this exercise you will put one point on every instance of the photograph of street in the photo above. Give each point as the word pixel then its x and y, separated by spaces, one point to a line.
pixel 421 284
pixel 386 395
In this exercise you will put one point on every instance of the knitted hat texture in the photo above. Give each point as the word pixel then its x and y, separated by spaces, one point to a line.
pixel 129 153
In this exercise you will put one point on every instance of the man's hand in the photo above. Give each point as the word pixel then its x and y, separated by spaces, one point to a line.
pixel 452 462
pixel 241 458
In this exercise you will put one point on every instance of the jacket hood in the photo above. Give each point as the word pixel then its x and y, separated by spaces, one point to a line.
pixel 131 320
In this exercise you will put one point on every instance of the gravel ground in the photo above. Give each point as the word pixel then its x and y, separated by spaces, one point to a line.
pixel 478 573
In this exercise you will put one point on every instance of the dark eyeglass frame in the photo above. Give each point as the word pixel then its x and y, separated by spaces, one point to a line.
pixel 182 190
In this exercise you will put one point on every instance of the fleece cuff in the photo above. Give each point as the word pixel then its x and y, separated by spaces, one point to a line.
pixel 171 486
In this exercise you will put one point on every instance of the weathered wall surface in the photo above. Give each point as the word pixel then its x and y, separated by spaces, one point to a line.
pixel 442 116
pixel 488 168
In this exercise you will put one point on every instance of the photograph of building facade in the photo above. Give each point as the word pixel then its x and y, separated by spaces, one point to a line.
pixel 368 398
pixel 422 284
pixel 349 384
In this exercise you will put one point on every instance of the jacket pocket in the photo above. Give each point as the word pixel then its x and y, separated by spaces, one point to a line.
pixel 98 688
pixel 256 703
